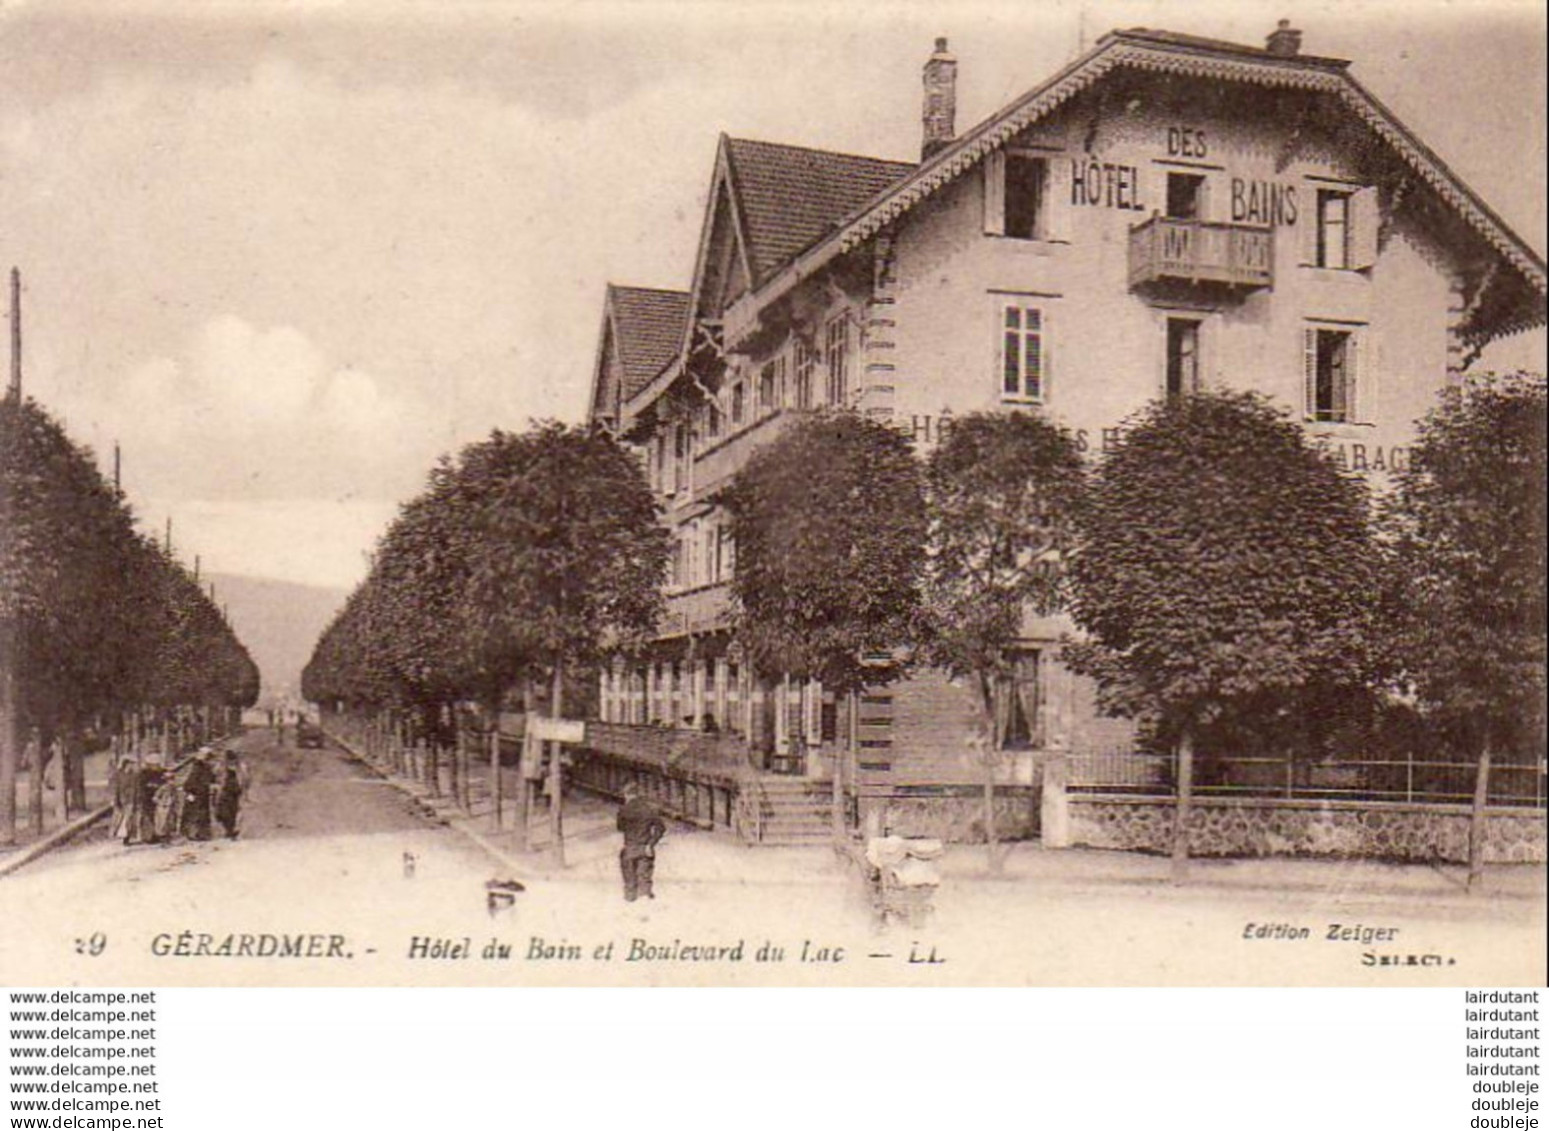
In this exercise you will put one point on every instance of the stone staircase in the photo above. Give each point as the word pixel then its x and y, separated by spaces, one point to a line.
pixel 790 811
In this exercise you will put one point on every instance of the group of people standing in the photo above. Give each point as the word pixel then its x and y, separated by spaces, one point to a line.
pixel 154 803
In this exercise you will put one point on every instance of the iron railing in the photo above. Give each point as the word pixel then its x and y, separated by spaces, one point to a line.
pixel 1514 781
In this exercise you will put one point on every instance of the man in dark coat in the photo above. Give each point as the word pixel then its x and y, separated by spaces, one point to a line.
pixel 198 783
pixel 230 785
pixel 642 827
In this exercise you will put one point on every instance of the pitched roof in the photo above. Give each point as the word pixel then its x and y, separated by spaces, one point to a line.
pixel 1166 52
pixel 1224 47
pixel 789 196
pixel 648 326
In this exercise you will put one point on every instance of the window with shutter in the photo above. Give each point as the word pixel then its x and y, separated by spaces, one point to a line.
pixel 1333 229
pixel 1365 220
pixel 806 365
pixel 1333 390
pixel 995 193
pixel 1026 194
pixel 770 380
pixel 1310 373
pixel 836 358
pixel 1017 196
pixel 1182 357
pixel 1023 353
pixel 1358 391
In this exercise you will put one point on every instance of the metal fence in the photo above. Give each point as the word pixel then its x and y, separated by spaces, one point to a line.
pixel 1518 781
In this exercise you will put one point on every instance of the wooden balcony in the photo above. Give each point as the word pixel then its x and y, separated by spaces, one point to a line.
pixel 1233 256
pixel 706 608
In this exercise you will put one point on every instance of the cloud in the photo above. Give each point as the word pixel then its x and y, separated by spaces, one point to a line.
pixel 245 413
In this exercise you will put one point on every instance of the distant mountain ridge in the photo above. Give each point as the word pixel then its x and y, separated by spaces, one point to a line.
pixel 279 623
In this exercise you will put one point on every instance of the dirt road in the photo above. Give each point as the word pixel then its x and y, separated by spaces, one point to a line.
pixel 341 878
pixel 327 847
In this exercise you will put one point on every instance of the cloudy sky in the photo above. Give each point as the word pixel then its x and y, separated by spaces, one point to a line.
pixel 287 254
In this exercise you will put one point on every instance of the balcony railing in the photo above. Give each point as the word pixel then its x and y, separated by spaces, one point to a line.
pixel 705 608
pixel 1164 249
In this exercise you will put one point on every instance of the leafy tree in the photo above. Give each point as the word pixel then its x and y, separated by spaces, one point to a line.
pixel 568 557
pixel 1223 565
pixel 1002 489
pixel 829 525
pixel 1467 529
pixel 94 620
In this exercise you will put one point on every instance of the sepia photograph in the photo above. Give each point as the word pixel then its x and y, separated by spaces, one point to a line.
pixel 773 494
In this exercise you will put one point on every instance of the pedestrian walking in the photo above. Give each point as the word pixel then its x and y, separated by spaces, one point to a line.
pixel 126 792
pixel 230 789
pixel 198 782
pixel 643 829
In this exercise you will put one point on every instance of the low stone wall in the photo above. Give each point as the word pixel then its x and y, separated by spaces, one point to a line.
pixel 1270 827
pixel 955 813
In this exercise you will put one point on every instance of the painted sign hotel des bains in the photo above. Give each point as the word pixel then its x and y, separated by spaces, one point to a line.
pixel 1165 213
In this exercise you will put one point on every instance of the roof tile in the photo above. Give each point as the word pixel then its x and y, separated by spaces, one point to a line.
pixel 791 196
pixel 649 324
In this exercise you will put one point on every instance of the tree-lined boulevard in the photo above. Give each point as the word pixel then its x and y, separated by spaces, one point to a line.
pixel 107 641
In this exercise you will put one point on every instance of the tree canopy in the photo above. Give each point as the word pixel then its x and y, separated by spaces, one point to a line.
pixel 1467 528
pixel 1003 489
pixel 527 551
pixel 829 525
pixel 1222 561
pixel 95 618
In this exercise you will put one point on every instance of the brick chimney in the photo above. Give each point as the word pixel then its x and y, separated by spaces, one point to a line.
pixel 1285 41
pixel 940 110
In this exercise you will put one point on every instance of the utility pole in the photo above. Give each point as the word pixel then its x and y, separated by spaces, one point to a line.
pixel 10 627
pixel 118 469
pixel 556 766
pixel 16 334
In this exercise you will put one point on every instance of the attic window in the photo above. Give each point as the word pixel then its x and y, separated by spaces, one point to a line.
pixel 1016 201
pixel 1026 178
pixel 1333 229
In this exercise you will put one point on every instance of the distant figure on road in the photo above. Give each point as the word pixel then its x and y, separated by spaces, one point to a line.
pixel 643 828
pixel 230 787
pixel 197 785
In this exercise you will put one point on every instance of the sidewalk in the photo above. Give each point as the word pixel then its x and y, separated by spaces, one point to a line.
pixel 96 772
pixel 694 856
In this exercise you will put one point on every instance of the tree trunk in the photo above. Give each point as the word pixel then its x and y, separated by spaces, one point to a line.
pixel 1476 822
pixel 556 768
pixel 991 837
pixel 73 771
pixel 10 729
pixel 1180 855
pixel 448 734
pixel 988 754
pixel 10 741
pixel 843 753
pixel 529 757
pixel 496 798
pixel 38 753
